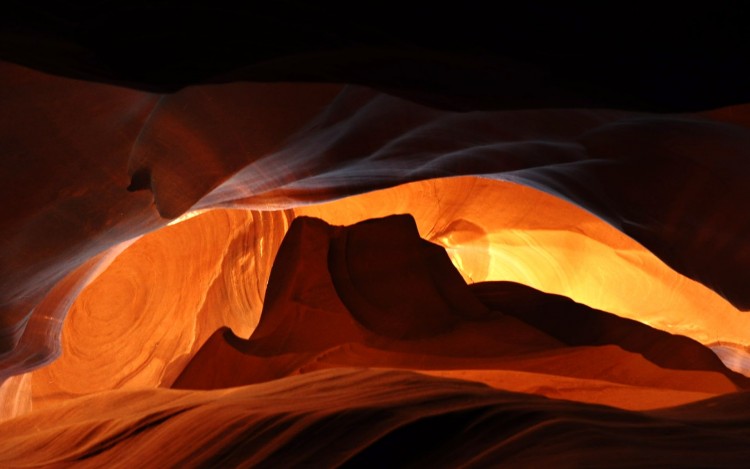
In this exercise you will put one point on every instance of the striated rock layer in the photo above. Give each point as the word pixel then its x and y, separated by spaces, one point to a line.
pixel 371 418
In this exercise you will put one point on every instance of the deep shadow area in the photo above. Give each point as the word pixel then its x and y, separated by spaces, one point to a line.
pixel 468 56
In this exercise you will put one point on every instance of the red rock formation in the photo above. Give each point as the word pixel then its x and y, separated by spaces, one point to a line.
pixel 375 294
pixel 334 415
pixel 360 142
pixel 88 173
pixel 141 320
pixel 363 417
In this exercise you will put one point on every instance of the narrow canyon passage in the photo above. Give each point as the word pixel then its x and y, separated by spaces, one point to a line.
pixel 289 234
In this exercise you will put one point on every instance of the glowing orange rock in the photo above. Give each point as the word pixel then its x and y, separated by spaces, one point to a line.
pixel 375 295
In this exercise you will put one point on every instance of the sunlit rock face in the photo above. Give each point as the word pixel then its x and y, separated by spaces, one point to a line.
pixel 625 168
pixel 566 241
pixel 375 294
pixel 211 269
pixel 340 301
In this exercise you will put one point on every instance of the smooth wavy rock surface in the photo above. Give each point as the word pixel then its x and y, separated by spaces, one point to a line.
pixel 734 356
pixel 371 418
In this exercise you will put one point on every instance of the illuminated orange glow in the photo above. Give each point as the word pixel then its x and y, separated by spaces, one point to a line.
pixel 139 322
pixel 501 231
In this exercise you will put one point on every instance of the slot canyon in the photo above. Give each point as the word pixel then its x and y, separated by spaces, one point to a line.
pixel 269 237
